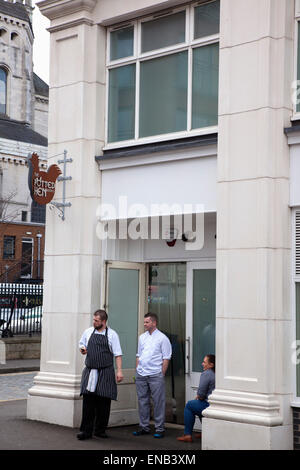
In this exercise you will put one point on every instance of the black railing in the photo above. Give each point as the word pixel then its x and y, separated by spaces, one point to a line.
pixel 21 309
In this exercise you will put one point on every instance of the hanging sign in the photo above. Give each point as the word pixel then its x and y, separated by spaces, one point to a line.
pixel 42 183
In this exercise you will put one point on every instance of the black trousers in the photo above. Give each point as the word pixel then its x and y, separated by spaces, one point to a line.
pixel 95 413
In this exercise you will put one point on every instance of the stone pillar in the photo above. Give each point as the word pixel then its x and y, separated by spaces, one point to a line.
pixel 250 407
pixel 72 252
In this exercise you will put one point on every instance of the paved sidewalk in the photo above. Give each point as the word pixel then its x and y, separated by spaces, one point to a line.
pixel 19 433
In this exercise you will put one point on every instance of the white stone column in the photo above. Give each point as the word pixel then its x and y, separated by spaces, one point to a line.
pixel 250 407
pixel 72 252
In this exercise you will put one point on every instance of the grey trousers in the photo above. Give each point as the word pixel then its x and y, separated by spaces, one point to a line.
pixel 151 386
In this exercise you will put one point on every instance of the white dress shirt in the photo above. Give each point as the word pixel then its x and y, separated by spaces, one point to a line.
pixel 152 350
pixel 114 346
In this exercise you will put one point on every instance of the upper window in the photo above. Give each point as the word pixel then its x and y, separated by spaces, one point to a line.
pixel 163 75
pixel 9 243
pixel 38 213
pixel 3 35
pixel 3 90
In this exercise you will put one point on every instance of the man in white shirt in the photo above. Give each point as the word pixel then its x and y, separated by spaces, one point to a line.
pixel 153 357
pixel 101 345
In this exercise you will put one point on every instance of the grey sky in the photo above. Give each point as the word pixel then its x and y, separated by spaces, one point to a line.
pixel 41 44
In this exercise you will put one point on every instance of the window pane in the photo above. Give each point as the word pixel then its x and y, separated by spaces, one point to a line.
pixel 2 91
pixel 163 95
pixel 298 334
pixel 121 43
pixel 205 86
pixel 8 247
pixel 163 32
pixel 121 108
pixel 38 212
pixel 207 20
pixel 123 309
pixel 204 315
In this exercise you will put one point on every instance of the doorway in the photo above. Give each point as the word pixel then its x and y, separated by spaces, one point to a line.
pixel 201 320
pixel 183 296
pixel 27 258
pixel 167 298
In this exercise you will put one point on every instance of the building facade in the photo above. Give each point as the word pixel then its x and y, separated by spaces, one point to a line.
pixel 182 111
pixel 23 130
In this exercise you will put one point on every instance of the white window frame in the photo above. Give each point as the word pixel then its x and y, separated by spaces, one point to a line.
pixel 28 240
pixel 138 57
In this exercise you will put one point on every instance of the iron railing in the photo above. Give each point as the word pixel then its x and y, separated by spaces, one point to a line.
pixel 21 309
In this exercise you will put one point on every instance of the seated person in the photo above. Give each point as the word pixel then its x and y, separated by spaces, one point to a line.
pixel 195 407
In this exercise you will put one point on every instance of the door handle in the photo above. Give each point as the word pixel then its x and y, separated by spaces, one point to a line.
pixel 188 356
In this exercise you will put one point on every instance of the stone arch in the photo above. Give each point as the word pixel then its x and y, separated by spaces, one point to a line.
pixel 4 35
pixel 15 39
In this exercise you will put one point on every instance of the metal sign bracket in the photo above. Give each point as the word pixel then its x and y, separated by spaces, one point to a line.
pixel 60 206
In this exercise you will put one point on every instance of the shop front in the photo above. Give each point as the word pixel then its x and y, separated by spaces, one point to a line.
pixel 158 234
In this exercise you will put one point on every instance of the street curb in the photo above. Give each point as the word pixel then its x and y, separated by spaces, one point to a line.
pixel 18 369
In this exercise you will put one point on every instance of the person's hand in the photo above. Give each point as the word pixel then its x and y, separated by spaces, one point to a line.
pixel 120 376
pixel 83 350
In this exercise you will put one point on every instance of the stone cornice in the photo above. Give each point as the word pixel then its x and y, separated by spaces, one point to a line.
pixel 70 24
pixel 53 9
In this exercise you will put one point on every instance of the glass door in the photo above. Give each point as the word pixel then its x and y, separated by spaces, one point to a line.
pixel 200 321
pixel 166 298
pixel 124 301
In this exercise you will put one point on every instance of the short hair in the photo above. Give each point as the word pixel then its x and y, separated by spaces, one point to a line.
pixel 102 314
pixel 212 360
pixel 153 316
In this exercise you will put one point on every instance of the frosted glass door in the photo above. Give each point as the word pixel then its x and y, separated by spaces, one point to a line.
pixel 200 321
pixel 124 300
pixel 123 309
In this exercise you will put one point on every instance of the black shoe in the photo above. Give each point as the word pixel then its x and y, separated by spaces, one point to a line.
pixel 82 436
pixel 103 435
pixel 140 432
pixel 159 434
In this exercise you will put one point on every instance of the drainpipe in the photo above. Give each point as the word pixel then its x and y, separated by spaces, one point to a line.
pixel 39 236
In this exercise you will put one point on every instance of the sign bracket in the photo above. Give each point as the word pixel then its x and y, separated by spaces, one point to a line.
pixel 60 206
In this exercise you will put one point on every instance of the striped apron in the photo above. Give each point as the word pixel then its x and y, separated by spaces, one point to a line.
pixel 100 357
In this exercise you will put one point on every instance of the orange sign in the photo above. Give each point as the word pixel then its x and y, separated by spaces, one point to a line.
pixel 42 183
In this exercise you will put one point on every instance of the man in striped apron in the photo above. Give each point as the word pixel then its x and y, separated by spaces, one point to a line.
pixel 100 344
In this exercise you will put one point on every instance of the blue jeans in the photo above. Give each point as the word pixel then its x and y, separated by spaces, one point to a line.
pixel 193 408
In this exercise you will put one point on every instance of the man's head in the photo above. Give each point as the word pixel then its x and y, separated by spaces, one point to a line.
pixel 150 322
pixel 100 319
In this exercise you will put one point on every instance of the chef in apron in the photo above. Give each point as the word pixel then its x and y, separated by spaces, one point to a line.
pixel 100 344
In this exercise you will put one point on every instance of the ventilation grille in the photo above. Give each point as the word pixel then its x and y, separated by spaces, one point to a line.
pixel 297 243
